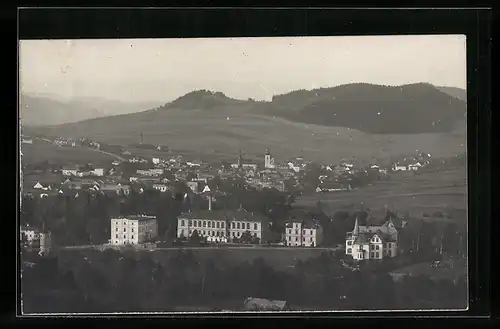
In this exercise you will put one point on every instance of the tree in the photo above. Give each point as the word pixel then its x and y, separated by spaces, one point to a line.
pixel 246 237
pixel 195 238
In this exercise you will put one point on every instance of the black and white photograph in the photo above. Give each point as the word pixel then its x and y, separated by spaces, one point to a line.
pixel 243 175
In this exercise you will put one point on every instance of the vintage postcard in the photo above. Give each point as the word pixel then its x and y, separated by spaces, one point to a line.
pixel 275 174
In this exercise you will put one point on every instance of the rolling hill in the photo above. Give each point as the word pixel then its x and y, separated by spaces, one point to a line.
pixel 40 110
pixel 226 125
pixel 455 92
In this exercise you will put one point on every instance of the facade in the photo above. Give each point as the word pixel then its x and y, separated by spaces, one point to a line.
pixel 372 242
pixel 69 171
pixel 399 167
pixel 133 230
pixel 98 172
pixel 303 233
pixel 223 225
pixel 269 160
pixel 160 187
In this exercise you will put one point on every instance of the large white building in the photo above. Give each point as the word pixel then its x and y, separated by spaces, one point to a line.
pixel 223 225
pixel 303 233
pixel 373 242
pixel 132 230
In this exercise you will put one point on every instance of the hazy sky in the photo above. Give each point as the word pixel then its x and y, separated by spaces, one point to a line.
pixel 164 69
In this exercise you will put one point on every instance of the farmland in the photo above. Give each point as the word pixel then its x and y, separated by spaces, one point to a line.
pixel 41 151
pixel 211 132
pixel 416 193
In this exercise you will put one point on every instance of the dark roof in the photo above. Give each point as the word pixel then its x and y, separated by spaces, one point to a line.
pixel 138 217
pixel 229 215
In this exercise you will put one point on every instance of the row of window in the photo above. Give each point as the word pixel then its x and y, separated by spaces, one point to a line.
pixel 214 224
pixel 372 254
pixel 125 236
pixel 389 245
pixel 304 232
pixel 218 233
pixel 289 238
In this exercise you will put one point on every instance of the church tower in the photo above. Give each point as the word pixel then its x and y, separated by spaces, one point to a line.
pixel 240 159
pixel 268 160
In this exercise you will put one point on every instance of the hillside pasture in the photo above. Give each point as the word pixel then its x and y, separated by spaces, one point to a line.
pixel 209 132
pixel 44 151
pixel 403 192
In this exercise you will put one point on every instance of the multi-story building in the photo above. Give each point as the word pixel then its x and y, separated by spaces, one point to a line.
pixel 269 160
pixel 132 230
pixel 372 242
pixel 223 225
pixel 305 233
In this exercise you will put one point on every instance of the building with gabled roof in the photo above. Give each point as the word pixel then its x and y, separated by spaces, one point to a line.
pixel 374 241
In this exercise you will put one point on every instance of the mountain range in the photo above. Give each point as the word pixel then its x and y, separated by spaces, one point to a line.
pixel 48 109
pixel 328 124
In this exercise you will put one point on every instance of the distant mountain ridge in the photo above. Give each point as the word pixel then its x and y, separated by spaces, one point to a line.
pixel 413 108
pixel 47 109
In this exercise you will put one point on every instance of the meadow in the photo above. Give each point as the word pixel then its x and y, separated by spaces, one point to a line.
pixel 223 132
pixel 404 192
pixel 41 151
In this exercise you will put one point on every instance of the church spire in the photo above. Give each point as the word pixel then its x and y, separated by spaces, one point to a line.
pixel 267 152
pixel 355 232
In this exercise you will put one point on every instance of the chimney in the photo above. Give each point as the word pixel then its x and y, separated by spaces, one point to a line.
pixel 210 202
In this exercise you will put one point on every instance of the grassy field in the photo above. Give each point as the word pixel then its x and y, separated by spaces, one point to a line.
pixel 210 132
pixel 44 151
pixel 425 192
pixel 279 259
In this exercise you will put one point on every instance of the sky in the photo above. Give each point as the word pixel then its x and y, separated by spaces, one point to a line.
pixel 164 69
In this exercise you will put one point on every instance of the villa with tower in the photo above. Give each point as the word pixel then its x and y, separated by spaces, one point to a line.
pixel 374 241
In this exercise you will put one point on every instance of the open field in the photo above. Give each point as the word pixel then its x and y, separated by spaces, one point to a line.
pixel 282 259
pixel 403 192
pixel 209 132
pixel 44 151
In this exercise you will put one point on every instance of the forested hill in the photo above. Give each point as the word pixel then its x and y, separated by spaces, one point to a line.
pixel 415 108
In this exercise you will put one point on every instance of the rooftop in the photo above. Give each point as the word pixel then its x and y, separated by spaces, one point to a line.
pixel 229 215
pixel 136 217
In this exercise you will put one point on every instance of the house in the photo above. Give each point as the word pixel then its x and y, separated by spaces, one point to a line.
pixel 115 163
pixel 194 186
pixel 150 172
pixel 155 160
pixel 414 166
pixel 306 233
pixel 133 230
pixel 69 171
pixel 372 241
pixel 161 187
pixel 194 163
pixel 27 141
pixel 115 188
pixel 399 167
pixel 261 304
pixel 42 186
pixel 29 235
pixel 98 172
pixel 223 225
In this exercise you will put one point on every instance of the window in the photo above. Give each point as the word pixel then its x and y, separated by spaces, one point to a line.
pixel 218 225
pixel 195 223
pixel 372 246
pixel 255 226
pixel 349 251
pixel 248 226
pixel 190 232
pixel 311 239
pixel 218 233
pixel 116 229
pixel 222 233
pixel 378 255
pixel 132 230
pixel 117 236
pixel 204 223
pixel 213 224
pixel 232 233
pixel 303 239
pixel 182 222
pixel 132 237
pixel 304 232
pixel 222 224
pixel 233 225
pixel 238 225
pixel 289 238
pixel 372 255
pixel 296 231
pixel 296 239
pixel 124 229
pixel 389 253
pixel 378 247
pixel 116 242
pixel 124 236
pixel 189 223
pixel 349 243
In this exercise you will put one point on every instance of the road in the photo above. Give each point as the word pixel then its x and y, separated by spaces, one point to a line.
pixel 92 149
